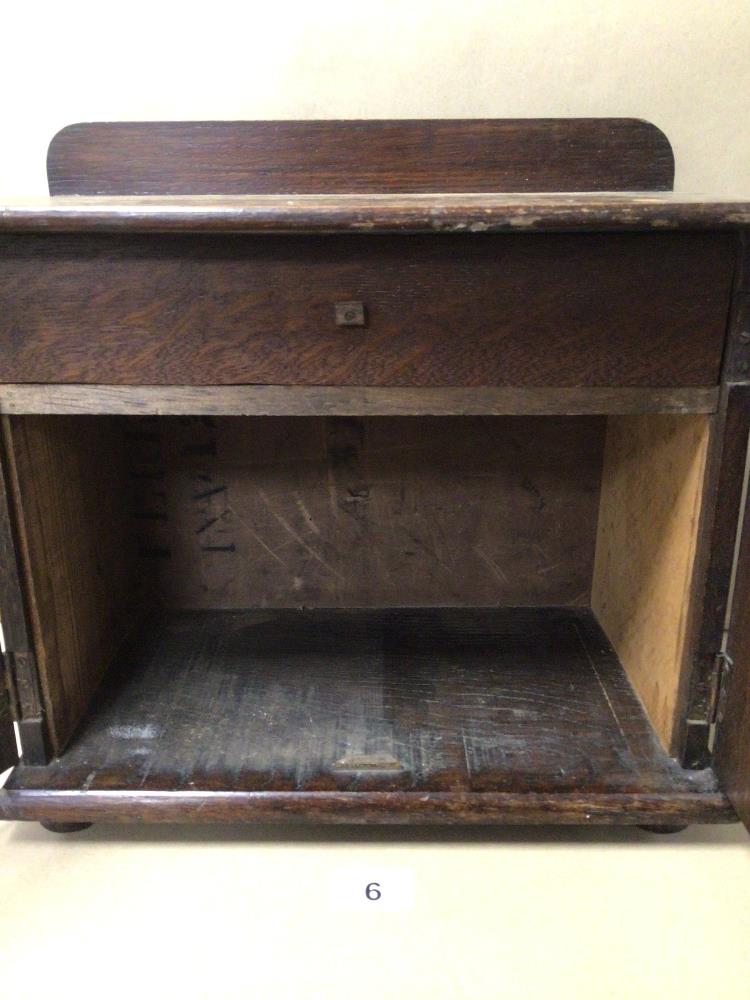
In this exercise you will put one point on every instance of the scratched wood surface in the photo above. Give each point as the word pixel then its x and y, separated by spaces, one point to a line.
pixel 459 700
pixel 438 212
pixel 521 154
pixel 285 512
pixel 595 309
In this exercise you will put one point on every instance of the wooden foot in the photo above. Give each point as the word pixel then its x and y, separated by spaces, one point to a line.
pixel 676 828
pixel 65 827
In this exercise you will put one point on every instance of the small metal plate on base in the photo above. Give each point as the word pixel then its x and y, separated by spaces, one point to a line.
pixel 368 762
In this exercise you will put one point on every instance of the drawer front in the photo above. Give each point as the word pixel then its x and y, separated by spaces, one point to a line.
pixel 598 309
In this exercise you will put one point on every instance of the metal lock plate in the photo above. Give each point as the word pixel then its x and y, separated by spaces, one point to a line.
pixel 349 313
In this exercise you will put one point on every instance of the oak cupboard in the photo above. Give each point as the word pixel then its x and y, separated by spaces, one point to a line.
pixel 388 471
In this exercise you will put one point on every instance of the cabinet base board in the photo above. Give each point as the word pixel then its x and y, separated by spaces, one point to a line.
pixel 446 808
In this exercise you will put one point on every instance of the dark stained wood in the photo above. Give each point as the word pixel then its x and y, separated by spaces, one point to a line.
pixel 302 157
pixel 703 803
pixel 733 715
pixel 736 366
pixel 722 508
pixel 555 310
pixel 206 279
pixel 8 751
pixel 348 401
pixel 372 214
pixel 20 694
pixel 15 629
pixel 477 714
pixel 665 830
pixel 35 743
pixel 337 512
pixel 70 493
pixel 65 827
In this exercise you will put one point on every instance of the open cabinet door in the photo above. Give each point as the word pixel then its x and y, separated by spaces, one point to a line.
pixel 732 758
pixel 17 665
pixel 8 578
pixel 8 753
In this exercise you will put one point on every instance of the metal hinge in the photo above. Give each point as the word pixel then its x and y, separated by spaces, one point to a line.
pixel 722 673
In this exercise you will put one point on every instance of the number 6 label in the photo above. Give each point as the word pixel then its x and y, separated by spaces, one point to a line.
pixel 373 891
pixel 373 888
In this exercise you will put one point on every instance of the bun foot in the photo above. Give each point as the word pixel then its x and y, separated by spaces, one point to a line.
pixel 674 828
pixel 65 827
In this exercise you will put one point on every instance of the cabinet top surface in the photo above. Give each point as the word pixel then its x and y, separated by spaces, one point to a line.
pixel 376 213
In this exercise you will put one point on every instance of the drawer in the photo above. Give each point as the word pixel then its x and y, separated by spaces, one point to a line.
pixel 545 309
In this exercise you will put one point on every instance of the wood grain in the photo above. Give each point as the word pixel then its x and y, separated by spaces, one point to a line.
pixel 213 291
pixel 652 485
pixel 702 803
pixel 12 606
pixel 736 367
pixel 475 704
pixel 721 513
pixel 559 310
pixel 376 214
pixel 72 496
pixel 537 154
pixel 337 512
pixel 722 507
pixel 348 401
pixel 21 682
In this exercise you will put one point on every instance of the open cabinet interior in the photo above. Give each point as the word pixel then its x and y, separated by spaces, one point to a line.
pixel 274 603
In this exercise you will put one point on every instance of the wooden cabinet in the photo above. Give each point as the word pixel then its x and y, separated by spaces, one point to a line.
pixel 338 485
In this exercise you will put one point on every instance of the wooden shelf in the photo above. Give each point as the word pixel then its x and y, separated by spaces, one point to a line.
pixel 358 401
pixel 376 213
pixel 244 713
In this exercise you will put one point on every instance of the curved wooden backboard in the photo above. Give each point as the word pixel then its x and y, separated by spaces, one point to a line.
pixel 321 157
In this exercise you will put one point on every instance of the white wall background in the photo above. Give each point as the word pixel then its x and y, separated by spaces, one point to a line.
pixel 684 64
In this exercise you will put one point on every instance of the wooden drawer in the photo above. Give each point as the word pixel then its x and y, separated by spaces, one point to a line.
pixel 548 309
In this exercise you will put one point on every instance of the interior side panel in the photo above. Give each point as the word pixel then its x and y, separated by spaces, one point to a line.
pixel 652 485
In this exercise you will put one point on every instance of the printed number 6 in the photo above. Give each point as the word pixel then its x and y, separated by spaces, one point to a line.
pixel 373 890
